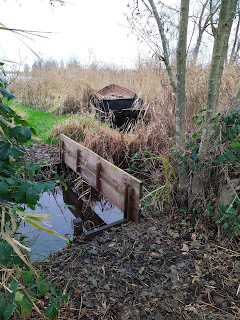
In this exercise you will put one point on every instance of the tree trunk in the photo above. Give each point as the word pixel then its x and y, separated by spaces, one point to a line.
pixel 164 45
pixel 221 35
pixel 181 95
pixel 219 54
pixel 236 37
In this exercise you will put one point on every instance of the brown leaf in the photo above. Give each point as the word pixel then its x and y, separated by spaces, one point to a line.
pixel 194 237
pixel 185 248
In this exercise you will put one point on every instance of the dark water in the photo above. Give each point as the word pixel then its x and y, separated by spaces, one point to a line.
pixel 95 211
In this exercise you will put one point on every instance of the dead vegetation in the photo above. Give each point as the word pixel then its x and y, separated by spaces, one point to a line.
pixel 69 89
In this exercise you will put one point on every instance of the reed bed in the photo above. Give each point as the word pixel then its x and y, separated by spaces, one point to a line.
pixel 68 90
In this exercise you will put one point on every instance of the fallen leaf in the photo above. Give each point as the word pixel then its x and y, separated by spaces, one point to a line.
pixel 185 247
pixel 194 237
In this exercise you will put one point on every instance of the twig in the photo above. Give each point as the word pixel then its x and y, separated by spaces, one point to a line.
pixel 235 252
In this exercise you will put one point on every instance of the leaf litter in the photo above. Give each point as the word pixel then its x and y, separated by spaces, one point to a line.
pixel 157 269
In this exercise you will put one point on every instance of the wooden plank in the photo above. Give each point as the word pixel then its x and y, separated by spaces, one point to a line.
pixel 89 158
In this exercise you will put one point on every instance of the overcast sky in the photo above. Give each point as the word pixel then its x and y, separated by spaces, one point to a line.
pixel 85 29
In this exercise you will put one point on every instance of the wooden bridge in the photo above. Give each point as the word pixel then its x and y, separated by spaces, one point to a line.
pixel 120 188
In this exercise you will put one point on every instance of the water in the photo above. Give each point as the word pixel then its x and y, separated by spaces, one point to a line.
pixel 97 211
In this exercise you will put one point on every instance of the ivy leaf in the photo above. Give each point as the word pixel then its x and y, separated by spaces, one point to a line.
pixel 5 148
pixel 7 94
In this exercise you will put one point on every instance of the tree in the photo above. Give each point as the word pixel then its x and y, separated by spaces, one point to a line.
pixel 221 32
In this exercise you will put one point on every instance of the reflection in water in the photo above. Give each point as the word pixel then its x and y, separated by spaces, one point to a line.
pixel 64 206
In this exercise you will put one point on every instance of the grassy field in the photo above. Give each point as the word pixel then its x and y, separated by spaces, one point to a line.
pixel 41 121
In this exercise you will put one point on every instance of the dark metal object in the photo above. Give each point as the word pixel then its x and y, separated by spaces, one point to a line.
pixel 121 102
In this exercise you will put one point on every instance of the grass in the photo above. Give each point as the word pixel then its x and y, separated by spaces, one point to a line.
pixel 41 121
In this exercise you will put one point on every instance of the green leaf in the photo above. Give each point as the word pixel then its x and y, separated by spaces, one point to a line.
pixel 14 132
pixel 194 136
pixel 2 305
pixel 26 308
pixel 21 192
pixel 3 187
pixel 5 148
pixel 49 310
pixel 7 94
pixel 48 185
pixel 31 169
pixel 8 311
pixel 27 133
pixel 27 277
pixel 18 296
pixel 235 144
pixel 32 194
pixel 17 154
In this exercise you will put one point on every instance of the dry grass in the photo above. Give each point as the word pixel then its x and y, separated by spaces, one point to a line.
pixel 66 90
pixel 69 90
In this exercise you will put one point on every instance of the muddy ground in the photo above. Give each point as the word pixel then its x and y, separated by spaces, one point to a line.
pixel 170 267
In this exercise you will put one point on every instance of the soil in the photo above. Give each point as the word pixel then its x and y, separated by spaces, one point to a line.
pixel 172 267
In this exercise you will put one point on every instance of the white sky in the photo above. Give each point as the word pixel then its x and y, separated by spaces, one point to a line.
pixel 90 30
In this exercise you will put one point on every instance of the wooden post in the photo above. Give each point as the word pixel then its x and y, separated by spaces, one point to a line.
pixel 126 201
pixel 78 161
pixel 98 173
pixel 130 204
pixel 62 152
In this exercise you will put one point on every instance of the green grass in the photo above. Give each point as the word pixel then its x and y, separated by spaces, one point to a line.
pixel 41 121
